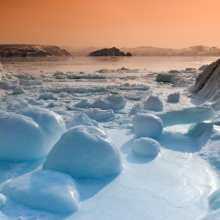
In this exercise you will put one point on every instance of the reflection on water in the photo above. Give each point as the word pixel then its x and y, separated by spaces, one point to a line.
pixel 51 64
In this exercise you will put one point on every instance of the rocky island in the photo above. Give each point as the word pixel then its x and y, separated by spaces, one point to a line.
pixel 109 52
pixel 26 50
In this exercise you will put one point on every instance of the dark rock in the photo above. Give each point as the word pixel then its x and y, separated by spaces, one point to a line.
pixel 109 52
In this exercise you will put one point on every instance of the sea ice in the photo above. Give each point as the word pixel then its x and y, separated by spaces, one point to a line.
pixel 110 102
pixel 47 96
pixel 18 91
pixel 147 125
pixel 2 200
pixel 84 152
pixel 173 97
pixel 98 114
pixel 186 115
pixel 82 119
pixel 146 146
pixel 164 77
pixel 51 122
pixel 197 130
pixel 214 200
pixel 46 190
pixel 153 103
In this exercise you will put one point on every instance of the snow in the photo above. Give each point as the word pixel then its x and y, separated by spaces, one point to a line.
pixel 146 146
pixel 186 115
pixel 153 103
pixel 2 200
pixel 173 97
pixel 82 119
pixel 147 125
pixel 98 114
pixel 46 190
pixel 85 152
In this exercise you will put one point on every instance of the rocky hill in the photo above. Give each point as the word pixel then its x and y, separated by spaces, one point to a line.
pixel 109 52
pixel 26 50
pixel 153 51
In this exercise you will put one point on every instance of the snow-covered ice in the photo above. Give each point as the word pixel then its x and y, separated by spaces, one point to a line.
pixel 173 97
pixel 2 200
pixel 147 125
pixel 186 115
pixel 46 190
pixel 146 146
pixel 153 103
pixel 85 152
pixel 98 114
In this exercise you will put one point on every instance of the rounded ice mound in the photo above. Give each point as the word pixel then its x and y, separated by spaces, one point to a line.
pixel 84 152
pixel 153 103
pixel 46 190
pixel 214 200
pixel 98 114
pixel 147 125
pixel 174 97
pixel 146 146
pixel 2 200
pixel 21 139
pixel 48 120
pixel 18 91
pixel 83 119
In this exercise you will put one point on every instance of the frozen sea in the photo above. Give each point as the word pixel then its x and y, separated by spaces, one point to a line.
pixel 175 185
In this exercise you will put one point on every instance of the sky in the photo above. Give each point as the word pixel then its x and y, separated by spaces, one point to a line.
pixel 108 23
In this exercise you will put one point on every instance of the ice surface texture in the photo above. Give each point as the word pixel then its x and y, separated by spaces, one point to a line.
pixel 29 135
pixel 83 119
pixel 146 146
pixel 47 190
pixel 2 200
pixel 153 103
pixel 98 114
pixel 186 116
pixel 84 152
pixel 147 125
pixel 174 97
pixel 111 102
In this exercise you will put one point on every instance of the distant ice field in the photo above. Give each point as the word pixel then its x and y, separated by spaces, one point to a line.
pixel 51 64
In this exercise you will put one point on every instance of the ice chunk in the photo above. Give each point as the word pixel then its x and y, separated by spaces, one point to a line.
pixel 46 190
pixel 196 130
pixel 111 102
pixel 136 108
pixel 147 125
pixel 84 152
pixel 2 200
pixel 98 114
pixel 83 119
pixel 18 91
pixel 48 120
pixel 21 139
pixel 47 96
pixel 146 146
pixel 214 200
pixel 163 77
pixel 153 103
pixel 58 73
pixel 186 116
pixel 173 97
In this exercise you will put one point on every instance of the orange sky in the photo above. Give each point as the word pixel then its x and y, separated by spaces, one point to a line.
pixel 106 23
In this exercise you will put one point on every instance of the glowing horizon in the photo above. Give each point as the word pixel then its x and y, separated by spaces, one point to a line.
pixel 101 23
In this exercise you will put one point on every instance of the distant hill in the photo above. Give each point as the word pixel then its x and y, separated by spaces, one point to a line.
pixel 154 51
pixel 109 52
pixel 26 50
